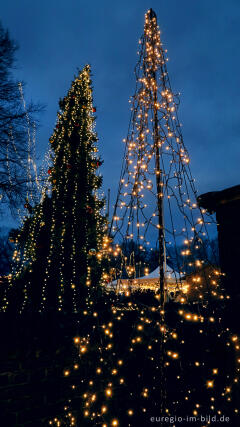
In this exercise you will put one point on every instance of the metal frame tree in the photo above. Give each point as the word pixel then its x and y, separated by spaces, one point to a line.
pixel 156 190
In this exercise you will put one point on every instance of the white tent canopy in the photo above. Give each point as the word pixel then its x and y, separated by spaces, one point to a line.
pixel 173 280
pixel 169 275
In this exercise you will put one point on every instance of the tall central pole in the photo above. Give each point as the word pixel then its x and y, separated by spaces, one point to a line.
pixel 158 172
pixel 159 186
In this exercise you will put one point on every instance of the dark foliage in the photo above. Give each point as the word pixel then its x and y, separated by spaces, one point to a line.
pixel 14 120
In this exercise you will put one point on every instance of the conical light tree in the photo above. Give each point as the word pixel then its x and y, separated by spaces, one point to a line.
pixel 157 201
pixel 149 360
pixel 58 260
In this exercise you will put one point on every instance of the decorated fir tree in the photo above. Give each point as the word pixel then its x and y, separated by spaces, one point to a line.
pixel 58 245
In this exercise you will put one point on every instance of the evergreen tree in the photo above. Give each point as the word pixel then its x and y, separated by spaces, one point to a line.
pixel 58 246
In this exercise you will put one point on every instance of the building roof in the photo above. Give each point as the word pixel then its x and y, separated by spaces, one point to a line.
pixel 214 199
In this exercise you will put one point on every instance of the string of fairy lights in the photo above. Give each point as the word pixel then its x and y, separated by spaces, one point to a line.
pixel 176 354
pixel 35 188
pixel 34 177
pixel 73 137
pixel 79 116
pixel 113 369
pixel 136 213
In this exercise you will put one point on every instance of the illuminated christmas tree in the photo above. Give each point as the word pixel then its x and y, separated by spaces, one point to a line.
pixel 142 358
pixel 58 244
pixel 156 204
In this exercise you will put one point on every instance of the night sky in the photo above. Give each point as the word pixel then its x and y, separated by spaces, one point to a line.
pixel 203 40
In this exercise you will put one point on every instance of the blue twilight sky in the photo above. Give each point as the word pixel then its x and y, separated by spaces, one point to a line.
pixel 203 41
